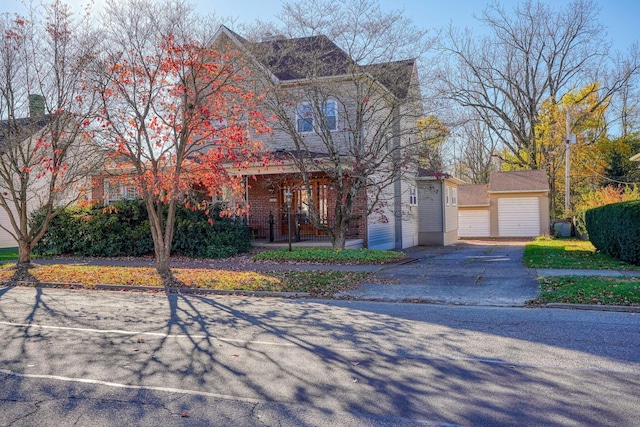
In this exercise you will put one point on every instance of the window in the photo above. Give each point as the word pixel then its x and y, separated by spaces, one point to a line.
pixel 330 111
pixel 454 196
pixel 115 192
pixel 447 195
pixel 129 192
pixel 305 120
pixel 413 196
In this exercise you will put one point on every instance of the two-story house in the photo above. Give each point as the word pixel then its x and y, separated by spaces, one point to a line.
pixel 342 133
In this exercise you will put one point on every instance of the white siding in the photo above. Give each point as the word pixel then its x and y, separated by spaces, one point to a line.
pixel 451 215
pixel 409 216
pixel 381 225
pixel 430 206
pixel 6 241
pixel 474 223
pixel 381 235
pixel 519 217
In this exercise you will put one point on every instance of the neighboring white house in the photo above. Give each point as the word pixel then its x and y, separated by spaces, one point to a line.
pixel 30 134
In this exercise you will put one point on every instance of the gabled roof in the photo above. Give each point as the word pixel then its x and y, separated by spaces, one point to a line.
pixel 473 195
pixel 22 128
pixel 300 58
pixel 518 181
pixel 291 59
pixel 395 76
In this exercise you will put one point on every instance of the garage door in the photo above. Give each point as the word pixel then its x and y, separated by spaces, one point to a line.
pixel 474 223
pixel 519 217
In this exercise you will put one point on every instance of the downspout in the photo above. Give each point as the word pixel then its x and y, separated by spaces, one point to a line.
pixel 397 185
pixel 443 188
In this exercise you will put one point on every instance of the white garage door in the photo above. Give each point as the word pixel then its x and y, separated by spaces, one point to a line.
pixel 519 217
pixel 474 223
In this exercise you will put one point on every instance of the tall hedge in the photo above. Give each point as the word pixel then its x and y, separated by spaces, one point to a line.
pixel 122 229
pixel 615 230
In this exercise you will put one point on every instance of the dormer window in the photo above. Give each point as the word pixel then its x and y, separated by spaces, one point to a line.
pixel 305 119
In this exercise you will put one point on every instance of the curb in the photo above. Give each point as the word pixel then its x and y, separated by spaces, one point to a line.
pixel 595 307
pixel 295 295
pixel 178 291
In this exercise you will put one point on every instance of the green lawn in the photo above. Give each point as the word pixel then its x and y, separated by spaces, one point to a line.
pixel 570 253
pixel 331 256
pixel 580 255
pixel 8 254
pixel 590 290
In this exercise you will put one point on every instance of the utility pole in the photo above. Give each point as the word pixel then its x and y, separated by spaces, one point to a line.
pixel 570 139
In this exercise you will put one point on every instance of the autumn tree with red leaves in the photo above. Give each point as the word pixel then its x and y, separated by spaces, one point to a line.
pixel 177 110
pixel 46 154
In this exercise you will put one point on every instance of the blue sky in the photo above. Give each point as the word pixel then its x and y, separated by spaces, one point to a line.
pixel 620 17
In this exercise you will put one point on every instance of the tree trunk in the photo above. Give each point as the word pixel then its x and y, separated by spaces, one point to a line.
pixel 24 254
pixel 163 260
pixel 339 238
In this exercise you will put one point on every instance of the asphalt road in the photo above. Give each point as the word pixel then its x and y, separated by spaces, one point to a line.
pixel 105 359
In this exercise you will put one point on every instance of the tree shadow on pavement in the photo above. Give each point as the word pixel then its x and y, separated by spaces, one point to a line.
pixel 174 354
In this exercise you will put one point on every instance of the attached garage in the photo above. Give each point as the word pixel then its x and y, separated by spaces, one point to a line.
pixel 474 223
pixel 519 217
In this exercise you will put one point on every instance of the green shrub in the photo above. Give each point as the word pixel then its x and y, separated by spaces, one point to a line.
pixel 615 230
pixel 199 234
pixel 122 229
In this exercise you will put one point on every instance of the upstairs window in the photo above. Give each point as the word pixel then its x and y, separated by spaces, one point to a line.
pixel 454 196
pixel 305 119
pixel 330 111
pixel 447 195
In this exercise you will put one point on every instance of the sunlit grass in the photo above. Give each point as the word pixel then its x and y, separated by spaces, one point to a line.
pixel 331 256
pixel 570 253
pixel 590 290
pixel 316 282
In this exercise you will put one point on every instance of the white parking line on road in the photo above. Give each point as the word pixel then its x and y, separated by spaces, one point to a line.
pixel 131 386
pixel 154 334
pixel 214 395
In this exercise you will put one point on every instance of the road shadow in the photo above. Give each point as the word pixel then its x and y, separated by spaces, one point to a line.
pixel 332 356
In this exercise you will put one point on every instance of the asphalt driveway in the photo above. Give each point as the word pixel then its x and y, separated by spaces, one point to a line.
pixel 468 273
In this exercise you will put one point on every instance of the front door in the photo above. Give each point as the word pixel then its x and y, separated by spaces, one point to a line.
pixel 300 207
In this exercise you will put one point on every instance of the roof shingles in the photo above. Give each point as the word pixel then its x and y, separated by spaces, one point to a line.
pixel 473 195
pixel 519 181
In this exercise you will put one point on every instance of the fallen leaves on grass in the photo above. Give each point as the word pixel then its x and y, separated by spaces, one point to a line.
pixel 318 282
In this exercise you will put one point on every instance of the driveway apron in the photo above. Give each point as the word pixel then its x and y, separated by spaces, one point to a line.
pixel 468 273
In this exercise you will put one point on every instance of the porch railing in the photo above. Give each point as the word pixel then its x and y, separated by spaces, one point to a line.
pixel 276 229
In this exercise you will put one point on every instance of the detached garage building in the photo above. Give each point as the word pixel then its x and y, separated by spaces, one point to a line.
pixel 513 204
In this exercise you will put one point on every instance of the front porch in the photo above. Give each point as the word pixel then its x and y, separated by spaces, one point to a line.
pixel 265 244
pixel 272 218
